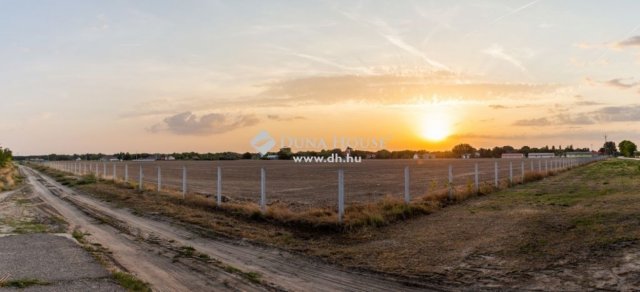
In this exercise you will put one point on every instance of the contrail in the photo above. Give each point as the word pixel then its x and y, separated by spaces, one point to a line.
pixel 512 12
pixel 390 35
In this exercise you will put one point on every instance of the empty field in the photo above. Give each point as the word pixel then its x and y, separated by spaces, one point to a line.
pixel 303 185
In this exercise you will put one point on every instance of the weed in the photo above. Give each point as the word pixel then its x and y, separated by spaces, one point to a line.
pixel 130 282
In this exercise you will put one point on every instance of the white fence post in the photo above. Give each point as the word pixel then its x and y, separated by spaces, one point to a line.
pixel 532 169
pixel 340 195
pixel 184 182
pixel 114 172
pixel 522 170
pixel 546 166
pixel 496 175
pixel 126 173
pixel 539 165
pixel 476 182
pixel 219 189
pixel 159 179
pixel 141 179
pixel 104 170
pixel 263 191
pixel 510 172
pixel 450 182
pixel 407 196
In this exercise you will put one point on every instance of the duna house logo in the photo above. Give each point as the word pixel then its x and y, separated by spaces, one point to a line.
pixel 263 142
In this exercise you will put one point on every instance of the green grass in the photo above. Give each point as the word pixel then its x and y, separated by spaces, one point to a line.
pixel 23 283
pixel 130 282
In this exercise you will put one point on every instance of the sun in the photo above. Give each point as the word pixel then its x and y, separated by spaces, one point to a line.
pixel 435 127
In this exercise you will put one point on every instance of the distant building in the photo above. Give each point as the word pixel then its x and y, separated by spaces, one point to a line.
pixel 428 156
pixel 541 155
pixel 169 158
pixel 466 156
pixel 272 157
pixel 578 154
pixel 512 155
pixel 109 158
pixel 416 156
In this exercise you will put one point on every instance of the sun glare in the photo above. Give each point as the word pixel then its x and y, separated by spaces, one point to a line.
pixel 436 127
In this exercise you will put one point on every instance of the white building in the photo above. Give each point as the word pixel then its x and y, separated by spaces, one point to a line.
pixel 541 155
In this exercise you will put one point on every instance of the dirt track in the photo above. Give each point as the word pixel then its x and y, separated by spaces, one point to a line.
pixel 145 247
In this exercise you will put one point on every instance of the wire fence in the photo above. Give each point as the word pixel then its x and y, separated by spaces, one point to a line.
pixel 307 185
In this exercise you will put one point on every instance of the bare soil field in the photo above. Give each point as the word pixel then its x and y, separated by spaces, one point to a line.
pixel 304 185
pixel 577 230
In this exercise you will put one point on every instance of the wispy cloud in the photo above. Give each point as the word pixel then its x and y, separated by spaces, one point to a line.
pixel 325 61
pixel 387 32
pixel 620 83
pixel 498 52
pixel 391 89
pixel 633 41
pixel 280 118
pixel 603 115
pixel 187 123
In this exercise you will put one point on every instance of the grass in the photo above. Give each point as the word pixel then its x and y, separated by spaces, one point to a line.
pixel 253 277
pixel 23 283
pixel 130 282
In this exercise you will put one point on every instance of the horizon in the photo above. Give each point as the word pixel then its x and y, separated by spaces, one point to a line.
pixel 94 77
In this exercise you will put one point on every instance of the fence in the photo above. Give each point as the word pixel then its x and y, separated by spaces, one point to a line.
pixel 307 185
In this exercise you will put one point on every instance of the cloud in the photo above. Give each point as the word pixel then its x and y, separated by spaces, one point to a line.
pixel 616 83
pixel 497 106
pixel 498 52
pixel 619 82
pixel 187 123
pixel 391 89
pixel 284 119
pixel 387 32
pixel 515 11
pixel 607 114
pixel 533 122
pixel 633 41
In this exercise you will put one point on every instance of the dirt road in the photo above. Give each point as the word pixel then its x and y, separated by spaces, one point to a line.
pixel 152 249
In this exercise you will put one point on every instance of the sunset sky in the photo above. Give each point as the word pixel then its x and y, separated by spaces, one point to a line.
pixel 165 76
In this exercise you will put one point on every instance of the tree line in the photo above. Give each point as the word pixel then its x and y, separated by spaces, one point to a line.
pixel 5 156
pixel 624 148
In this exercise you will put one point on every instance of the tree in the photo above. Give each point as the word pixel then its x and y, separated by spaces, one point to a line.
pixel 5 156
pixel 627 148
pixel 462 149
pixel 610 148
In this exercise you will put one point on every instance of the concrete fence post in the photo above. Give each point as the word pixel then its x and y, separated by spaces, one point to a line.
pixel 219 188
pixel 114 172
pixel 450 182
pixel 476 180
pixel 495 176
pixel 104 170
pixel 126 173
pixel 340 195
pixel 140 179
pixel 263 191
pixel 539 165
pixel 407 196
pixel 184 182
pixel 546 166
pixel 159 178
pixel 510 172
pixel 522 171
pixel 532 169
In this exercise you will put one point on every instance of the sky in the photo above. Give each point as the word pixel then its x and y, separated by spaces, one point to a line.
pixel 208 76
